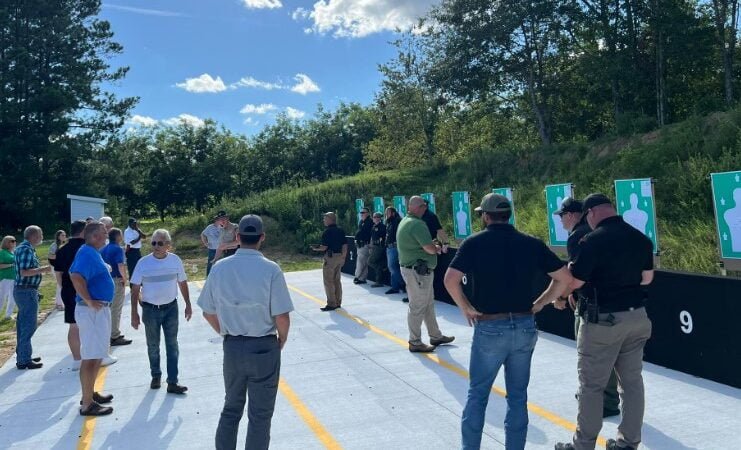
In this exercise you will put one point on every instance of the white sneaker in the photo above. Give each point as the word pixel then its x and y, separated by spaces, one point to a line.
pixel 108 360
pixel 76 365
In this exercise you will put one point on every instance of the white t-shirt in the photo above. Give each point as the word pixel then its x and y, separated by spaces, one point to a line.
pixel 159 278
pixel 129 235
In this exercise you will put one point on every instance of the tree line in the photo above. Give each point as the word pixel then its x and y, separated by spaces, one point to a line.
pixel 474 76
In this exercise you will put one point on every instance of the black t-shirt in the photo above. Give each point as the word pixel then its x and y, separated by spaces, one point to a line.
pixel 334 238
pixel 433 223
pixel 504 266
pixel 365 229
pixel 378 234
pixel 65 256
pixel 577 234
pixel 391 226
pixel 612 258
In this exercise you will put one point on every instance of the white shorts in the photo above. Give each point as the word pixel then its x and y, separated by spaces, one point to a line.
pixel 95 331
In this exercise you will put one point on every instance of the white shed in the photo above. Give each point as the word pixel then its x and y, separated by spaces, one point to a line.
pixel 83 207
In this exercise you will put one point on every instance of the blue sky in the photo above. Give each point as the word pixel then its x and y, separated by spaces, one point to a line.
pixel 242 62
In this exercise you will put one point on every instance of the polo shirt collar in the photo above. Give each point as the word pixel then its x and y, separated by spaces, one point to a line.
pixel 248 252
pixel 500 226
pixel 610 221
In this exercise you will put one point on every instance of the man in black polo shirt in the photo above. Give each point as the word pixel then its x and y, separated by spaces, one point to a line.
pixel 501 263
pixel 362 243
pixel 435 227
pixel 617 260
pixel 334 247
pixel 576 223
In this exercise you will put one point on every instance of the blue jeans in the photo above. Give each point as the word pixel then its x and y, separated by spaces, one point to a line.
pixel 392 260
pixel 495 342
pixel 210 261
pixel 27 301
pixel 166 318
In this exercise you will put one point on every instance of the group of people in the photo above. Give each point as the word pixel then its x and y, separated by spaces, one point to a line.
pixel 610 265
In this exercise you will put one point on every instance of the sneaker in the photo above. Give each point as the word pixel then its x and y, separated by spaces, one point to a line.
pixel 174 388
pixel 421 348
pixel 564 446
pixel 155 383
pixel 121 340
pixel 76 365
pixel 108 360
pixel 442 340
pixel 29 366
pixel 392 291
pixel 613 445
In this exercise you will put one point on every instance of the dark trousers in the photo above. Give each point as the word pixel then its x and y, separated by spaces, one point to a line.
pixel 27 300
pixel 132 257
pixel 251 367
pixel 165 318
pixel 210 261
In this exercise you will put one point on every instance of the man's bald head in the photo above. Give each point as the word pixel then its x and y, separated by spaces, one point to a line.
pixel 417 205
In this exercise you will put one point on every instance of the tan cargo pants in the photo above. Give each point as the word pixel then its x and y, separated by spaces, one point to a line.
pixel 331 272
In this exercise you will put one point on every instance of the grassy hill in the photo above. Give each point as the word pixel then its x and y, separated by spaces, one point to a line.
pixel 679 157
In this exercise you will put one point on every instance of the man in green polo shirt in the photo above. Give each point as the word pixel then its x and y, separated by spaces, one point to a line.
pixel 418 259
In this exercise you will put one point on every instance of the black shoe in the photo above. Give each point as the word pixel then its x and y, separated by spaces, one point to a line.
pixel 405 299
pixel 564 446
pixel 96 410
pixel 155 384
pixel 121 340
pixel 442 340
pixel 329 308
pixel 612 445
pixel 375 285
pixel 421 348
pixel 355 280
pixel 30 366
pixel 100 398
pixel 36 359
pixel 174 388
pixel 392 291
pixel 610 413
pixel 361 282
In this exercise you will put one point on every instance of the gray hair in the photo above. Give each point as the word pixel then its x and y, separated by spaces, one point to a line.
pixel 161 232
pixel 416 201
pixel 31 231
pixel 92 228
pixel 107 221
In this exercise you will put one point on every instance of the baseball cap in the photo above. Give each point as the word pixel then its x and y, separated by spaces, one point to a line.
pixel 220 215
pixel 570 205
pixel 250 225
pixel 132 221
pixel 494 203
pixel 595 199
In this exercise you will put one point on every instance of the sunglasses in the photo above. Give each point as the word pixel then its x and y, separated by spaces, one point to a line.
pixel 158 243
pixel 11 240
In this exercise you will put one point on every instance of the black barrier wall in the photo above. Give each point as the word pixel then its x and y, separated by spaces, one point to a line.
pixel 696 320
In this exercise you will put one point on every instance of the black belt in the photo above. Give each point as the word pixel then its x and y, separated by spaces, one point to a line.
pixel 248 338
pixel 608 309
pixel 166 305
pixel 501 316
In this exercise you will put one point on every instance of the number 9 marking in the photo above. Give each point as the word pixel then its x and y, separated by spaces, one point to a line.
pixel 686 320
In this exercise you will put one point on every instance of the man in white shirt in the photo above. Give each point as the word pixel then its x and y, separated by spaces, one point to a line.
pixel 133 238
pixel 210 238
pixel 154 285
pixel 246 300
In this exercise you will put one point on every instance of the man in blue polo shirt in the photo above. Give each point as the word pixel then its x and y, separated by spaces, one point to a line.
pixel 95 290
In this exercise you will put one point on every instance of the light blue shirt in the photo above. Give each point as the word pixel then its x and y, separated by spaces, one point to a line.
pixel 246 292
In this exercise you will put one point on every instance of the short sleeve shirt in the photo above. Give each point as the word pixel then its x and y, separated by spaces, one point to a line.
pixel 6 257
pixel 228 233
pixel 65 258
pixel 410 238
pixel 159 278
pixel 573 244
pixel 213 234
pixel 89 264
pixel 612 258
pixel 334 238
pixel 246 292
pixel 365 229
pixel 129 236
pixel 432 222
pixel 505 266
pixel 25 258
pixel 113 255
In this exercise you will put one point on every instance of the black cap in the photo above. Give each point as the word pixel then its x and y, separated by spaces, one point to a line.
pixel 570 205
pixel 132 221
pixel 220 215
pixel 596 199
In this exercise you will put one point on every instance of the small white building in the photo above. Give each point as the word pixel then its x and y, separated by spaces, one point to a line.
pixel 83 207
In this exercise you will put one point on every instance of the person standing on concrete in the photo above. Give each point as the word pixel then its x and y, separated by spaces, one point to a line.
pixel 210 239
pixel 617 261
pixel 160 274
pixel 113 255
pixel 576 224
pixel 362 244
pixel 377 258
pixel 501 263
pixel 418 259
pixel 28 274
pixel 334 247
pixel 246 300
pixel 94 287
pixel 228 242
pixel 392 252
pixel 133 239
pixel 7 276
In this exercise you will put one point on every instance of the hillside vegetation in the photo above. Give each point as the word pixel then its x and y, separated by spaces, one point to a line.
pixel 680 157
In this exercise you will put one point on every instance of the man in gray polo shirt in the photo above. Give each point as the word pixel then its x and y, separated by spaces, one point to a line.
pixel 246 300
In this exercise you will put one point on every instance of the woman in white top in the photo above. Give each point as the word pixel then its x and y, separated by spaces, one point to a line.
pixel 60 238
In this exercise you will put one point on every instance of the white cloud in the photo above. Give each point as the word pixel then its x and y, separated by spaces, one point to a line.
pixel 146 12
pixel 251 82
pixel 294 113
pixel 258 109
pixel 262 4
pixel 304 84
pixel 204 83
pixel 251 122
pixel 359 18
pixel 143 121
pixel 186 119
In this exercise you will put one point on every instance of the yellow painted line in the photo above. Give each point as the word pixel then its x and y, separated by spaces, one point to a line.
pixel 88 425
pixel 535 409
pixel 321 433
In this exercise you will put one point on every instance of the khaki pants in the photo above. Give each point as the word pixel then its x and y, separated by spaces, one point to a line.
pixel 116 307
pixel 332 281
pixel 421 305
pixel 601 347
pixel 361 265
